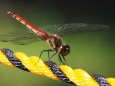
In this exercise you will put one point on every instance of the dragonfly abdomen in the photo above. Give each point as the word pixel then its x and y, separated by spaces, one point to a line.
pixel 26 23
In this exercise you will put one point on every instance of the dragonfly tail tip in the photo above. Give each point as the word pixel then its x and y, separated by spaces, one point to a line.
pixel 9 12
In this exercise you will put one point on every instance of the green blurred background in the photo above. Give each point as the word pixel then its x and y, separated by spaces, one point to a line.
pixel 91 51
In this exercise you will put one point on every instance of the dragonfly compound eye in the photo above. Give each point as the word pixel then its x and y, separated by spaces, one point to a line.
pixel 65 50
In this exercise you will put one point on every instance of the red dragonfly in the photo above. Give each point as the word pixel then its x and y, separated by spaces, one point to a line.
pixel 54 40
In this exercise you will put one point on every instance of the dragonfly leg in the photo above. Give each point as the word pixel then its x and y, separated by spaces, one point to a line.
pixel 49 50
pixel 60 59
pixel 52 55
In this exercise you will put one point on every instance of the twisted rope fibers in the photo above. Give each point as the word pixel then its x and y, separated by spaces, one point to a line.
pixel 65 73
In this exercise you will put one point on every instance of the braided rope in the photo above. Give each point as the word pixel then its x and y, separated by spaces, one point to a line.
pixel 35 65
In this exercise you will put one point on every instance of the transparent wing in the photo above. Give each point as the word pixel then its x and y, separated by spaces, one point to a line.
pixel 66 29
pixel 20 37
pixel 26 36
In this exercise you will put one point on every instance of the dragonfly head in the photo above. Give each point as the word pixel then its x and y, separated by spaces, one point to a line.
pixel 64 49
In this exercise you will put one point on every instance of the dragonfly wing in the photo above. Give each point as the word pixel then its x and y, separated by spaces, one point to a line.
pixel 26 37
pixel 26 40
pixel 20 37
pixel 65 29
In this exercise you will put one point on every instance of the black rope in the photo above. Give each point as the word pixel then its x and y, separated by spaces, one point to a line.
pixel 100 79
pixel 57 71
pixel 12 58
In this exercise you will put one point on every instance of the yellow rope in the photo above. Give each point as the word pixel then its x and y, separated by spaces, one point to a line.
pixel 77 76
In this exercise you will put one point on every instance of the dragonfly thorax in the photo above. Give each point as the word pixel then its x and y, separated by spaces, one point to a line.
pixel 56 43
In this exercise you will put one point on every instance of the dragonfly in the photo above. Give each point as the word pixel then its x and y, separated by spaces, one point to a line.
pixel 51 34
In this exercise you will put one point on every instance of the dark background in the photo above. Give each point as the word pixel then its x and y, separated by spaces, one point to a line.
pixel 93 52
